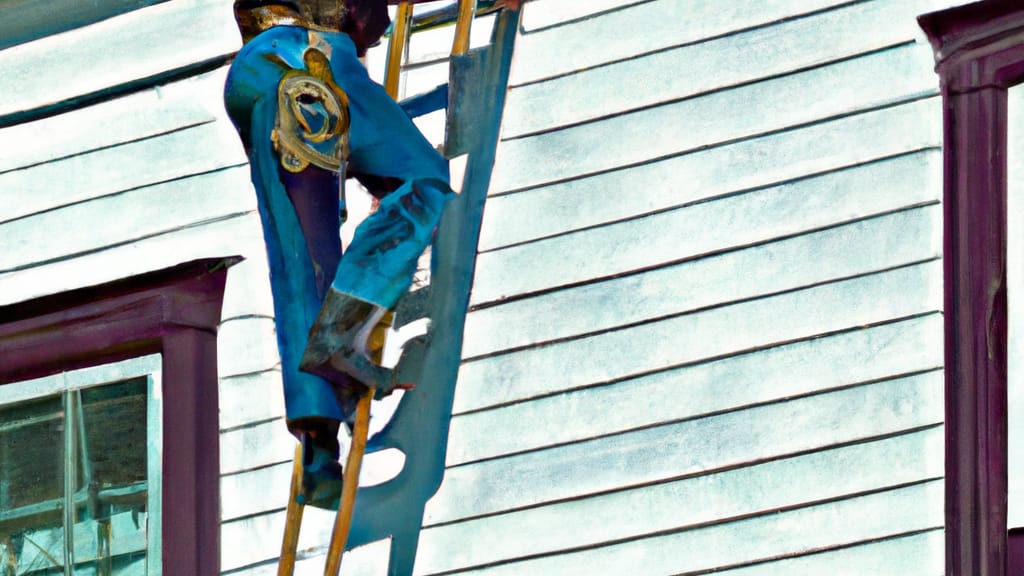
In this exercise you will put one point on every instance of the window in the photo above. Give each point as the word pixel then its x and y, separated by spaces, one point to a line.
pixel 173 312
pixel 80 457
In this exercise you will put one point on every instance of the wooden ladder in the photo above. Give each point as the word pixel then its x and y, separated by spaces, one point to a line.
pixel 343 521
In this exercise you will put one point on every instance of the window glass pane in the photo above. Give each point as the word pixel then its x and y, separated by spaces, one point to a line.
pixel 110 502
pixel 79 472
pixel 32 487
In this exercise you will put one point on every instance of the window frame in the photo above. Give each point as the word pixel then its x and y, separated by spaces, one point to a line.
pixel 67 383
pixel 979 52
pixel 174 312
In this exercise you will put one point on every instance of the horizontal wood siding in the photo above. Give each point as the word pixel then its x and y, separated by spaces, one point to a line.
pixel 705 331
pixel 124 50
pixel 755 378
pixel 920 552
pixel 710 173
pixel 254 536
pixel 821 526
pixel 650 26
pixel 713 499
pixel 892 239
pixel 690 231
pixel 865 82
pixel 133 117
pixel 688 338
pixel 553 14
pixel 733 60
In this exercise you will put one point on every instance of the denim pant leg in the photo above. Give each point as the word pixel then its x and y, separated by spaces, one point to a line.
pixel 293 282
pixel 379 264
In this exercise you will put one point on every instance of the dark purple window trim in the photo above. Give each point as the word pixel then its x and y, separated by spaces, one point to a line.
pixel 979 51
pixel 176 312
pixel 1015 551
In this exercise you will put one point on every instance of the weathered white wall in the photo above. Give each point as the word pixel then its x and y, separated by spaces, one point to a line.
pixel 706 326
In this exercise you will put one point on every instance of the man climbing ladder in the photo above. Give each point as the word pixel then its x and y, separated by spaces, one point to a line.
pixel 308 115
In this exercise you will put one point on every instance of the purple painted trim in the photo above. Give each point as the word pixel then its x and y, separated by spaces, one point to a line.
pixel 175 311
pixel 1015 552
pixel 979 51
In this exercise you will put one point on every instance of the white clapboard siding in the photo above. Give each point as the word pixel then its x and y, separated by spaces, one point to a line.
pixel 247 290
pixel 789 371
pixel 256 445
pixel 129 48
pixel 435 45
pixel 639 29
pixel 877 79
pixel 705 326
pixel 698 336
pixel 258 539
pixel 140 115
pixel 919 554
pixel 727 61
pixel 126 217
pixel 872 244
pixel 248 398
pixel 708 227
pixel 546 13
pixel 680 180
pixel 828 525
pixel 705 228
pixel 737 493
pixel 271 483
pixel 368 560
pixel 686 448
pixel 162 158
pixel 247 345
pixel 733 59
pixel 238 235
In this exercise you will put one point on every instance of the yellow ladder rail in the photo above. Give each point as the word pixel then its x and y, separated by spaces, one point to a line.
pixel 463 26
pixel 343 521
pixel 293 519
pixel 396 48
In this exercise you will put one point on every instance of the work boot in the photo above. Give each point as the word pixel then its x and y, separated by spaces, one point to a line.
pixel 321 472
pixel 339 342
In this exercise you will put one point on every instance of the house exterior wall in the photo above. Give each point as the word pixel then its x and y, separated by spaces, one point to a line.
pixel 705 330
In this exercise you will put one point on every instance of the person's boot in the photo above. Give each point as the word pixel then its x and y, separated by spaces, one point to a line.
pixel 321 472
pixel 340 342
